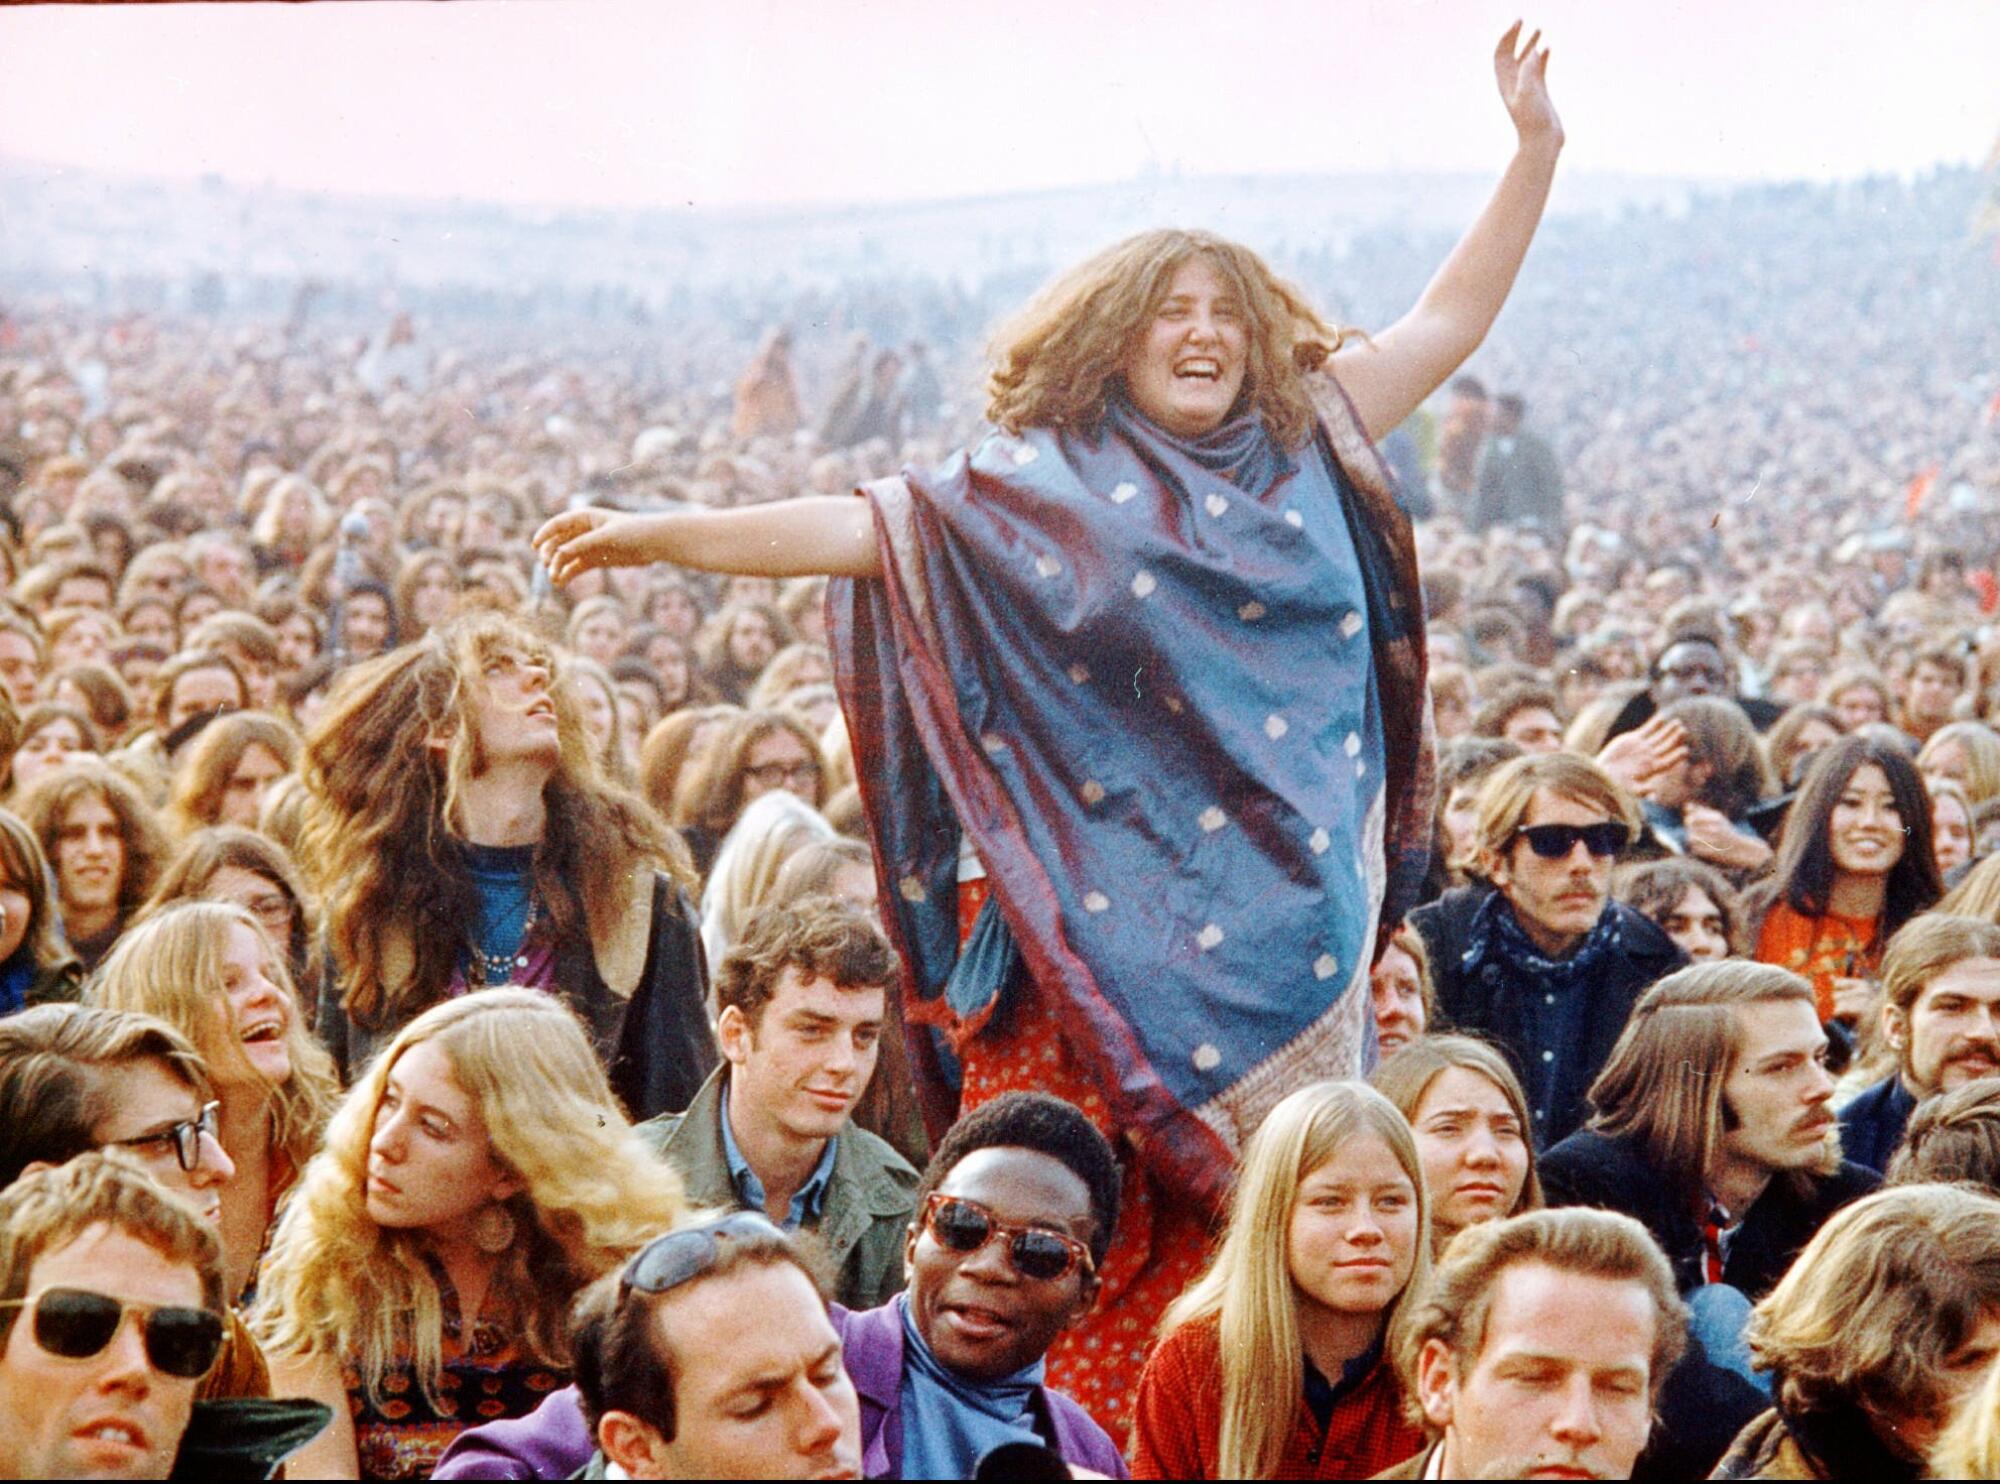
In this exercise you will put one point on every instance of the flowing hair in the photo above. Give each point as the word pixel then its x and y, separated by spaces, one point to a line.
pixel 381 839
pixel 336 1284
pixel 1803 873
pixel 1248 1292
pixel 1055 364
pixel 172 966
pixel 202 779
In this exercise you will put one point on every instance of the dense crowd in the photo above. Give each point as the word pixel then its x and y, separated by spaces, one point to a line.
pixel 459 1016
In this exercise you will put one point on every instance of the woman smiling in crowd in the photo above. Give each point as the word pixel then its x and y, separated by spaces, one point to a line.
pixel 209 970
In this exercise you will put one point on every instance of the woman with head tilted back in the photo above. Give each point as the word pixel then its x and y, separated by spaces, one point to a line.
pixel 211 972
pixel 1151 654
pixel 1272 1365
pixel 476 1178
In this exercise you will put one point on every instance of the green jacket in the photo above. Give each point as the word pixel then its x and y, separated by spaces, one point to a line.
pixel 863 1220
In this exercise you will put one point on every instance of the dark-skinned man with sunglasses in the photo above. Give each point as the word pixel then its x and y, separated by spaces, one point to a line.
pixel 1536 956
pixel 111 1315
pixel 1016 1210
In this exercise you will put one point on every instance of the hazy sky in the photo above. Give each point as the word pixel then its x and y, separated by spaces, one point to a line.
pixel 661 102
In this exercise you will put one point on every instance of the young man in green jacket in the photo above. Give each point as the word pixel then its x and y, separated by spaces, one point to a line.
pixel 801 1003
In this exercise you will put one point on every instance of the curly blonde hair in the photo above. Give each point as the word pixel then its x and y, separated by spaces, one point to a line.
pixel 336 1284
pixel 1054 364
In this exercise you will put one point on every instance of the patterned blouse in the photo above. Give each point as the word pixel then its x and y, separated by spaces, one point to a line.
pixel 484 1380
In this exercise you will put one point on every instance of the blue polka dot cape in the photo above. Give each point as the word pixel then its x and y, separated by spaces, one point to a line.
pixel 1173 693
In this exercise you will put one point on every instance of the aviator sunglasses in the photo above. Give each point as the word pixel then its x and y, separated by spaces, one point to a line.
pixel 75 1324
pixel 665 1263
pixel 1554 842
pixel 964 1227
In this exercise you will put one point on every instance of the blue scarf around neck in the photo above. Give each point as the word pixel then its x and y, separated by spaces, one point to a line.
pixel 950 1423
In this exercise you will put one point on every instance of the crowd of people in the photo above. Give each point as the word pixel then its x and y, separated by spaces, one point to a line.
pixel 486 1005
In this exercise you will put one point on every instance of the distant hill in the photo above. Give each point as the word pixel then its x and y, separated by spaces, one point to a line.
pixel 61 222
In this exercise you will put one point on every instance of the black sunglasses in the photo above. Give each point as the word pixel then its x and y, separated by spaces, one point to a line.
pixel 964 1227
pixel 77 1324
pixel 665 1263
pixel 1554 842
pixel 186 1136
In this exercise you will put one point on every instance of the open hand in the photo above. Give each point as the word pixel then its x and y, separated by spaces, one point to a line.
pixel 1523 76
pixel 1641 757
pixel 577 540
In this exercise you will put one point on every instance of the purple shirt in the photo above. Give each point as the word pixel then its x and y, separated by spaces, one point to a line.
pixel 552 1442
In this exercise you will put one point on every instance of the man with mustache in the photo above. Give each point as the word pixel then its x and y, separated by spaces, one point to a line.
pixel 1536 956
pixel 1712 1126
pixel 1941 1013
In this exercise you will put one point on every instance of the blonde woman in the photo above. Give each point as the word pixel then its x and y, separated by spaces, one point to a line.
pixel 477 1177
pixel 1470 1120
pixel 771 830
pixel 1968 754
pixel 1271 1365
pixel 208 970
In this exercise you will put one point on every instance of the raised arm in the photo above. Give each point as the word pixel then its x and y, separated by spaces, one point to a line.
pixel 819 535
pixel 1389 378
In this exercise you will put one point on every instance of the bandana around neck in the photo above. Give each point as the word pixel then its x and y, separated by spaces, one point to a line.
pixel 949 1422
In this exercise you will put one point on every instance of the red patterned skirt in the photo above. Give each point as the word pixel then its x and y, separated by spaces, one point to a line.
pixel 1161 1242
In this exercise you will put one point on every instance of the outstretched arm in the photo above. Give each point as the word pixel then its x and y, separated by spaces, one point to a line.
pixel 1389 379
pixel 818 535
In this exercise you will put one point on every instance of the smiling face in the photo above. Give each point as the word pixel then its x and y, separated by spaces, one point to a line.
pixel 111 1415
pixel 981 1318
pixel 90 858
pixel 1353 1235
pixel 1474 1150
pixel 1865 831
pixel 260 1010
pixel 1397 994
pixel 808 1058
pixel 1186 369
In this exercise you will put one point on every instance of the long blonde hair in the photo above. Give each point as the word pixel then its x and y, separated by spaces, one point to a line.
pixel 172 966
pixel 1248 1292
pixel 1055 362
pixel 335 1283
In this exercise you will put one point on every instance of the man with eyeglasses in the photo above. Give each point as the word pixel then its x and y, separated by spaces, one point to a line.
pixel 1015 1214
pixel 111 1313
pixel 75 1078
pixel 1536 956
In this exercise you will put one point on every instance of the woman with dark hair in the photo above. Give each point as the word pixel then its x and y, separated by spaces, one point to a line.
pixel 1687 900
pixel 1854 864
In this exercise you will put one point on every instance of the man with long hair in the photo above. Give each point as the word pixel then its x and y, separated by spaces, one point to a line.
pixel 461 838
pixel 1941 1022
pixel 1153 651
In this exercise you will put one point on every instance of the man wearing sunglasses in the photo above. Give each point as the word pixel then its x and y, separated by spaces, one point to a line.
pixel 1536 956
pixel 110 1315
pixel 76 1078
pixel 1017 1210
